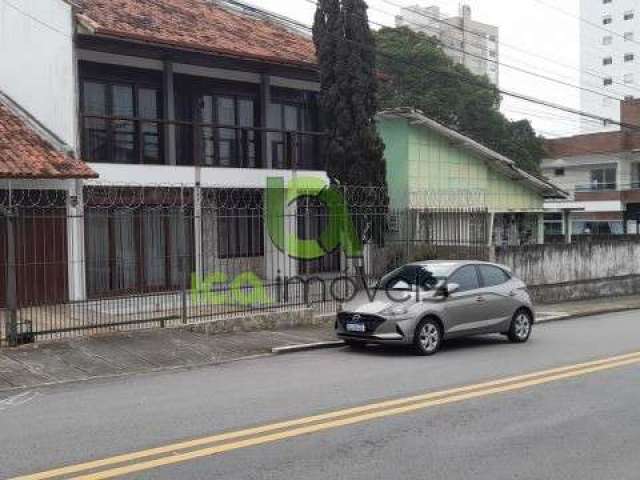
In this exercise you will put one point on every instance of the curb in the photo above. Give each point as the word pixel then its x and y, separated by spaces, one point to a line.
pixel 307 346
pixel 590 313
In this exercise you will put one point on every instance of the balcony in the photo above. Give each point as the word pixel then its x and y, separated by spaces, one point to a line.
pixel 146 141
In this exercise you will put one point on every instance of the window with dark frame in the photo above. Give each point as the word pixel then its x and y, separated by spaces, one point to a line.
pixel 135 249
pixel 240 222
pixel 227 147
pixel 603 178
pixel 114 129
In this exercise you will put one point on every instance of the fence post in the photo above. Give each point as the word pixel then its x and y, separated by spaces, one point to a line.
pixel 407 234
pixel 183 261
pixel 11 300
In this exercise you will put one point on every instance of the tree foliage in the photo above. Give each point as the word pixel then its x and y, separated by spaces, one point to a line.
pixel 415 72
pixel 354 152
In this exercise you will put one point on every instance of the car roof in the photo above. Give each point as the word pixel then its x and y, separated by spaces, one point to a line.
pixel 458 263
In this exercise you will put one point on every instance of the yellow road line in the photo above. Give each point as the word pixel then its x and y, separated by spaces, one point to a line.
pixel 283 430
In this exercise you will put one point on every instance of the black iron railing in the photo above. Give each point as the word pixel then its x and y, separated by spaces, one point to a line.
pixel 131 140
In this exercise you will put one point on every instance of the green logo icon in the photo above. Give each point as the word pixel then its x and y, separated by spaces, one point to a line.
pixel 338 232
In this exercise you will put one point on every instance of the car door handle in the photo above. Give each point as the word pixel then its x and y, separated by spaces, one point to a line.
pixel 513 293
pixel 481 300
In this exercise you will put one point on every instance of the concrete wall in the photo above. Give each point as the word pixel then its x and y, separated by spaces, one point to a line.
pixel 576 271
pixel 37 69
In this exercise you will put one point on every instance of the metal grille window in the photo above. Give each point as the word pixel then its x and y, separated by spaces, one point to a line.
pixel 240 225
pixel 135 249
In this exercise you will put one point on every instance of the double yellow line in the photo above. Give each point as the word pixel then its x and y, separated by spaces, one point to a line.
pixel 131 463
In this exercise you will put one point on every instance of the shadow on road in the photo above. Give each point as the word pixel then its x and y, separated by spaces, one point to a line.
pixel 448 346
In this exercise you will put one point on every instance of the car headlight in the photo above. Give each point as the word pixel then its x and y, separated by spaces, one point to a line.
pixel 395 311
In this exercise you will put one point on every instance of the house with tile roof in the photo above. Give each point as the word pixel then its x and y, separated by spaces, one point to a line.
pixel 197 98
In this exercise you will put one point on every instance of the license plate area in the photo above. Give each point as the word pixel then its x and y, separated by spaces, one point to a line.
pixel 356 327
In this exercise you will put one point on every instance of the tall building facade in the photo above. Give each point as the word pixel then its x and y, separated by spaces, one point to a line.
pixel 466 41
pixel 609 59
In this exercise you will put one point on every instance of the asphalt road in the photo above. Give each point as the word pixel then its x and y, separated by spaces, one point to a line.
pixel 578 423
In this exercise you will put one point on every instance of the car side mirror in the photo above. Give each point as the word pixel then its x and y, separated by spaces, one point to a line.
pixel 452 288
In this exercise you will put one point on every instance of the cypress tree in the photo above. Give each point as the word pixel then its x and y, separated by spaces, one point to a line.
pixel 354 152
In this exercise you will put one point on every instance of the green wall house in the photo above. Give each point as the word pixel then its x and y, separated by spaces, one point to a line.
pixel 430 166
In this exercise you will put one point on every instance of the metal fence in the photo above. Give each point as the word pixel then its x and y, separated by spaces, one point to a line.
pixel 123 258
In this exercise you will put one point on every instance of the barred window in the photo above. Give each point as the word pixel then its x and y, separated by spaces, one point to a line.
pixel 240 224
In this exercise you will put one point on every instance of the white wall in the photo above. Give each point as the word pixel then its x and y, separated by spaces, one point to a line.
pixel 36 62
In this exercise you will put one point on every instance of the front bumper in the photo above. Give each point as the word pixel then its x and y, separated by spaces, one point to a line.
pixel 379 330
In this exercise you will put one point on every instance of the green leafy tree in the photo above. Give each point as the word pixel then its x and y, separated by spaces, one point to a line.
pixel 415 72
pixel 354 152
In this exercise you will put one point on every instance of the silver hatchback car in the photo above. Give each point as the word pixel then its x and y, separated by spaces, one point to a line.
pixel 422 304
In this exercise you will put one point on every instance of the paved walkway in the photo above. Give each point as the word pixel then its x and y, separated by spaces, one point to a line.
pixel 114 355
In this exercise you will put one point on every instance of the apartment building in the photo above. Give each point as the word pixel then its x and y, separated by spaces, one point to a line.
pixel 609 58
pixel 132 116
pixel 474 44
pixel 602 172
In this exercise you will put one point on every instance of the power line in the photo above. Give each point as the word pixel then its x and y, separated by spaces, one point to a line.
pixel 500 43
pixel 587 22
pixel 35 19
pixel 512 67
pixel 478 83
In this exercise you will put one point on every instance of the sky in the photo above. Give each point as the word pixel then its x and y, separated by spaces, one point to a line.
pixel 533 36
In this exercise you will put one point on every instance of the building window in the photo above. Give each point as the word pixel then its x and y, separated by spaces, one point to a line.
pixel 240 224
pixel 629 78
pixel 628 36
pixel 607 60
pixel 628 15
pixel 607 82
pixel 628 98
pixel 603 179
pixel 629 57
pixel 134 249
pixel 113 126
pixel 607 20
pixel 553 224
pixel 586 227
pixel 559 172
pixel 493 53
pixel 605 2
pixel 607 40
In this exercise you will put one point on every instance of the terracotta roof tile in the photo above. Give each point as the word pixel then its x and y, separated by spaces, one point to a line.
pixel 198 24
pixel 25 154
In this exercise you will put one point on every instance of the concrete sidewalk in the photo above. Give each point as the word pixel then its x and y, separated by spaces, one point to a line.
pixel 87 358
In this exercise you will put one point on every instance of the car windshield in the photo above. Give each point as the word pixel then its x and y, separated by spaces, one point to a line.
pixel 408 277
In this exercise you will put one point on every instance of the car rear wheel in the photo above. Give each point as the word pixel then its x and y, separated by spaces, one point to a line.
pixel 521 327
pixel 428 337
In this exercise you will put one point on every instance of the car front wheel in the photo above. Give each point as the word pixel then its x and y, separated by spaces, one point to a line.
pixel 521 327
pixel 428 337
